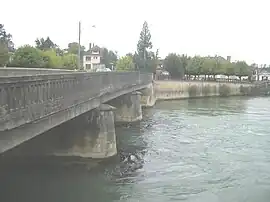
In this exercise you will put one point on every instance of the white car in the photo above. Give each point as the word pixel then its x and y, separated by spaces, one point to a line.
pixel 104 70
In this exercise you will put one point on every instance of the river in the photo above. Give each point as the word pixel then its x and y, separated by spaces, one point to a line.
pixel 206 150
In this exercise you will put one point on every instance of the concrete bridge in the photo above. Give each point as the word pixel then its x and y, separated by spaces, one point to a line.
pixel 33 104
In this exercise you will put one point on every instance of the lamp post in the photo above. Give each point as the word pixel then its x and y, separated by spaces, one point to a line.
pixel 79 48
pixel 79 42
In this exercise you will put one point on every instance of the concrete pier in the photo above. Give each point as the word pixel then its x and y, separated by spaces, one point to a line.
pixel 148 98
pixel 97 140
pixel 128 108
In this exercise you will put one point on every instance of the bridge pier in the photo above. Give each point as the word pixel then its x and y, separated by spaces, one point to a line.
pixel 97 140
pixel 128 108
pixel 91 135
pixel 148 98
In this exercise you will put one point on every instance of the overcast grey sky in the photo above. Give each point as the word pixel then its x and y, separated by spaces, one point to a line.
pixel 206 27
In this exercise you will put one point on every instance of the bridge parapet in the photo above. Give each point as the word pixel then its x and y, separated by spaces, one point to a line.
pixel 24 99
pixel 19 71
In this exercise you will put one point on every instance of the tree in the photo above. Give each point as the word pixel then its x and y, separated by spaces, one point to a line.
pixel 6 39
pixel 52 59
pixel 125 63
pixel 4 56
pixel 70 61
pixel 174 65
pixel 228 68
pixel 28 56
pixel 108 57
pixel 144 44
pixel 73 48
pixel 44 45
pixel 194 66
pixel 242 69
pixel 152 61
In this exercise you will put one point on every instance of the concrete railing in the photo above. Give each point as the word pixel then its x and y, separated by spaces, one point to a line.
pixel 17 71
pixel 24 99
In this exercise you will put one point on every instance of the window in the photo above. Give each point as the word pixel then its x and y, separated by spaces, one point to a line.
pixel 88 58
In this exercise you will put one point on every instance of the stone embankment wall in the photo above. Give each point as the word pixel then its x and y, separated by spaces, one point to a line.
pixel 168 90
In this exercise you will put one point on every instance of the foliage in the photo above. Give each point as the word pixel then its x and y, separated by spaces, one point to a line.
pixel 4 56
pixel 6 39
pixel 28 56
pixel 145 59
pixel 175 65
pixel 242 69
pixel 73 48
pixel 125 63
pixel 194 66
pixel 70 61
pixel 45 44
pixel 224 90
pixel 52 59
pixel 108 58
pixel 208 66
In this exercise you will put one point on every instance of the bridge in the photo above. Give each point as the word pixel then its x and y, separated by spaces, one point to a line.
pixel 33 104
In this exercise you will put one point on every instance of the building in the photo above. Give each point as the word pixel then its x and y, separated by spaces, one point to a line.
pixel 92 58
pixel 261 74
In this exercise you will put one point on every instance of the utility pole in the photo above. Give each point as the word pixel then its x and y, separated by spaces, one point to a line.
pixel 79 48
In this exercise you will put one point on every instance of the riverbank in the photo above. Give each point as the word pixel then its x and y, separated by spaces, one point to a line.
pixel 170 90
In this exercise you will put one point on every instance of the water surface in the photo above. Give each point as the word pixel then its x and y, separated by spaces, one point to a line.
pixel 207 150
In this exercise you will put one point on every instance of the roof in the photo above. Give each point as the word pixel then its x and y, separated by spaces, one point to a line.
pixel 93 49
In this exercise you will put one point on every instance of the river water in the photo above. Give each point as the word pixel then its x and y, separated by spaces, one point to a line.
pixel 207 150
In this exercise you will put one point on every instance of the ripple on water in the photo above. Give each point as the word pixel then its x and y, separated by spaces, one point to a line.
pixel 214 150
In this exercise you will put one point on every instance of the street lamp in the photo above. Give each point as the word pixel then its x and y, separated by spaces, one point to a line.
pixel 79 42
pixel 79 48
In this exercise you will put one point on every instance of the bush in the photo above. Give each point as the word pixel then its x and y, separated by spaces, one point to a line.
pixel 52 59
pixel 28 56
pixel 192 90
pixel 70 61
pixel 224 90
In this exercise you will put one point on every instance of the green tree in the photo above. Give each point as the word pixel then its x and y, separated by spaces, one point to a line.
pixel 6 39
pixel 194 66
pixel 174 65
pixel 144 44
pixel 70 61
pixel 208 66
pixel 52 59
pixel 4 56
pixel 45 44
pixel 125 63
pixel 152 61
pixel 108 57
pixel 242 69
pixel 219 67
pixel 73 48
pixel 28 56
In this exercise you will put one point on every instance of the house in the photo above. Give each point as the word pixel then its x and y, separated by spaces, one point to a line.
pixel 261 74
pixel 92 58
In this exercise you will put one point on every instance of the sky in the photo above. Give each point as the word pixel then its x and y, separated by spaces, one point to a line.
pixel 195 27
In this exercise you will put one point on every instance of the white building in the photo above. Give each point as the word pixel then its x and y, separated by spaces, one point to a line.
pixel 261 74
pixel 92 58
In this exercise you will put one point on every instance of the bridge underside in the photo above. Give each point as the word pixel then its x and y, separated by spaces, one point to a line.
pixel 16 136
